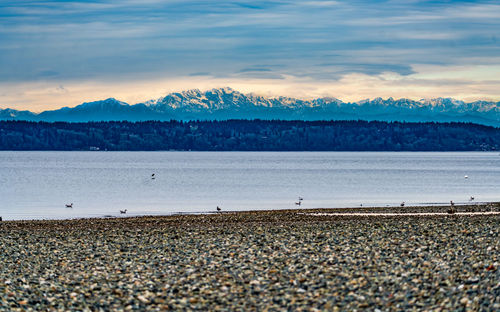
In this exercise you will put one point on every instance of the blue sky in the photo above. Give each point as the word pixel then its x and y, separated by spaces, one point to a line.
pixel 58 53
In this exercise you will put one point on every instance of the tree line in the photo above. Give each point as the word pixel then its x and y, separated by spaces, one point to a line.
pixel 248 135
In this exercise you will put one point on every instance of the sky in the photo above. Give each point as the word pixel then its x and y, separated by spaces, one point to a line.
pixel 63 53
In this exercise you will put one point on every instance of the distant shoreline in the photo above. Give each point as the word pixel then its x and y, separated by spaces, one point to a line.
pixel 248 135
pixel 461 209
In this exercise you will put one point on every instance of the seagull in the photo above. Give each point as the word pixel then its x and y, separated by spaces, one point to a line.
pixel 466 176
pixel 219 209
pixel 402 204
pixel 298 203
pixel 69 205
pixel 452 207
pixel 123 211
pixel 471 198
pixel 153 176
pixel 300 198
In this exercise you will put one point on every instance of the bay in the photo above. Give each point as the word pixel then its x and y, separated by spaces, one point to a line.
pixel 37 185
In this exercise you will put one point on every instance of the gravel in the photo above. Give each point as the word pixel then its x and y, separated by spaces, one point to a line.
pixel 267 260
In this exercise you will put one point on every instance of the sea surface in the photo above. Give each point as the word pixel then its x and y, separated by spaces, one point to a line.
pixel 38 185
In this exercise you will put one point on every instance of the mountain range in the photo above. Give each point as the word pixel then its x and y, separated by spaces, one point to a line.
pixel 226 103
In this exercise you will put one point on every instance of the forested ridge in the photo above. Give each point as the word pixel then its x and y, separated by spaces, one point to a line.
pixel 248 135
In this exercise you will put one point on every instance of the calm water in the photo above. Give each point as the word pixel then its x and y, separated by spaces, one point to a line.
pixel 37 185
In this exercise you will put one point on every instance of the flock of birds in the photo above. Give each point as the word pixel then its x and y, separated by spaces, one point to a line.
pixel 153 176
pixel 452 205
pixel 218 209
pixel 297 203
pixel 451 210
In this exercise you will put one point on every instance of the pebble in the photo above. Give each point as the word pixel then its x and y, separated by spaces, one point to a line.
pixel 267 260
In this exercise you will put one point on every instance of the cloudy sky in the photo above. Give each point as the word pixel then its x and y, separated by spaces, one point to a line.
pixel 62 53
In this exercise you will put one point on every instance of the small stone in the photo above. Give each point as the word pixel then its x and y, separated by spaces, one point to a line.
pixel 193 300
pixel 142 299
pixel 472 281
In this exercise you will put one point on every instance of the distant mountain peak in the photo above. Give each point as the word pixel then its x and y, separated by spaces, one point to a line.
pixel 108 101
pixel 226 90
pixel 227 103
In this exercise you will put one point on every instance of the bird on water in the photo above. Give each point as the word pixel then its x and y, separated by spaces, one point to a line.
pixel 219 209
pixel 402 204
pixel 123 211
pixel 69 205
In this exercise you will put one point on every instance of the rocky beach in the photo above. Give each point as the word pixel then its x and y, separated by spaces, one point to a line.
pixel 297 260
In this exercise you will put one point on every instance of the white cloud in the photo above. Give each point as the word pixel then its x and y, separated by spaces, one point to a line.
pixel 461 82
pixel 322 48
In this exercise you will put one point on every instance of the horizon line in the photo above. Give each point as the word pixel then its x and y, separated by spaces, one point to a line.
pixel 270 97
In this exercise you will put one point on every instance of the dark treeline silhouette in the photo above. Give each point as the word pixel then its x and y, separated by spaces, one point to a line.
pixel 248 135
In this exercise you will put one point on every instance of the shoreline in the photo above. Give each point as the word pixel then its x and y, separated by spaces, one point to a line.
pixel 470 209
pixel 275 260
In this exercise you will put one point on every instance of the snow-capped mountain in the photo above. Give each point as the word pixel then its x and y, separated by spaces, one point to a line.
pixel 226 103
pixel 227 98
